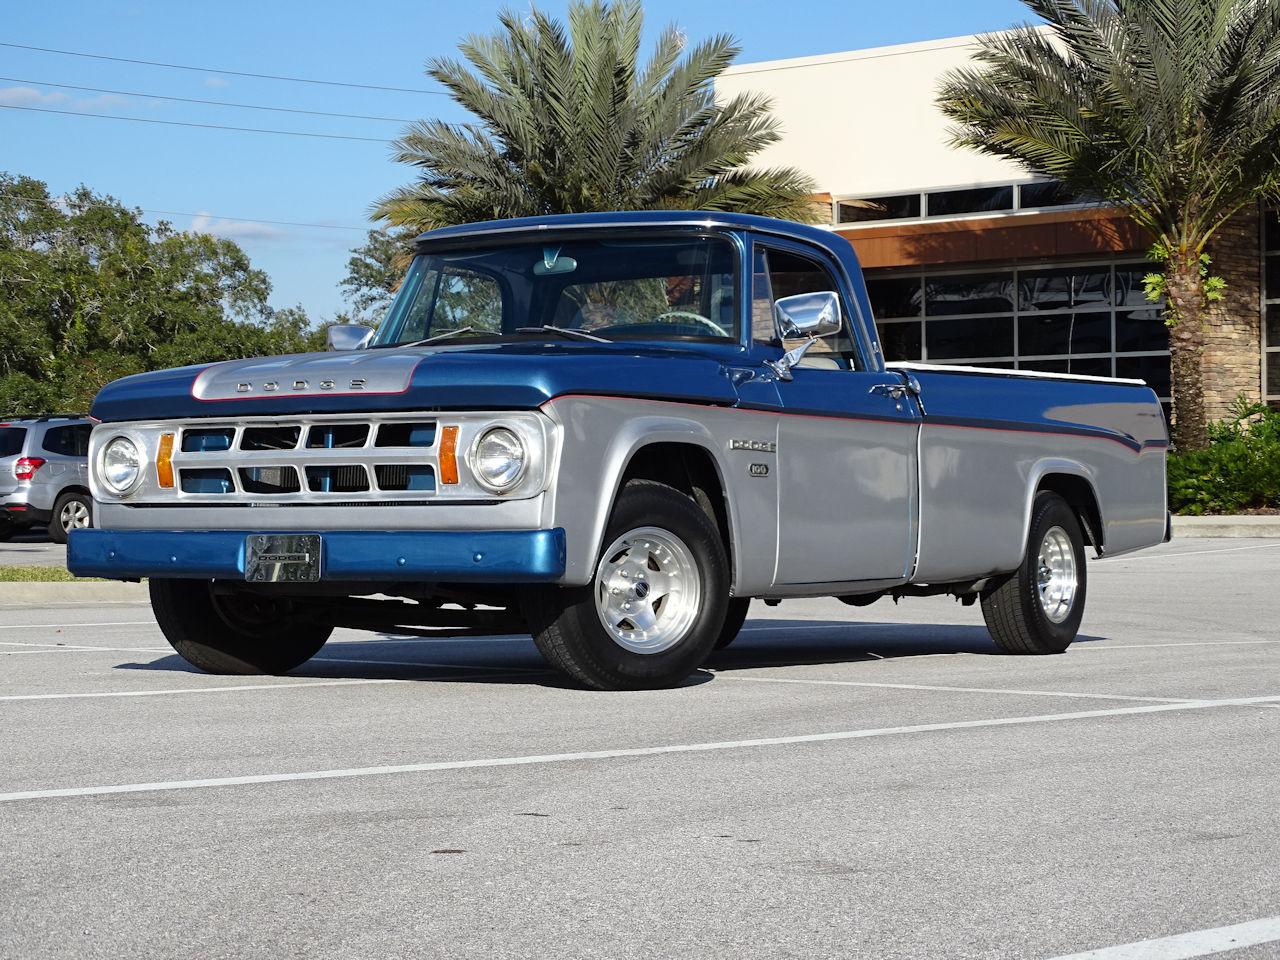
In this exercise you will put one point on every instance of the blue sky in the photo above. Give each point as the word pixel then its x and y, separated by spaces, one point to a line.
pixel 231 179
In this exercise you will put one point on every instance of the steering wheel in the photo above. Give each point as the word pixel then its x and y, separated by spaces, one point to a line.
pixel 690 317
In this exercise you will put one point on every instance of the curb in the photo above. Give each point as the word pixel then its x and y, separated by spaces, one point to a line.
pixel 40 594
pixel 1238 526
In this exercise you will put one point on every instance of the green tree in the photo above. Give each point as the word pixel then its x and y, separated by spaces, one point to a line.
pixel 374 272
pixel 1167 108
pixel 89 293
pixel 570 121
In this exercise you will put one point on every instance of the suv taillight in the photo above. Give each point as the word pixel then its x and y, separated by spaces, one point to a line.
pixel 26 467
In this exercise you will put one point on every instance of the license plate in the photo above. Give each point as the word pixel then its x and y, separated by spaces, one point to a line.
pixel 282 558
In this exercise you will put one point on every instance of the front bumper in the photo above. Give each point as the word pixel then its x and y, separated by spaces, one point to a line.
pixel 434 556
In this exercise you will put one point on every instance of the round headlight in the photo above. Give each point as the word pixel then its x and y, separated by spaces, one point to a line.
pixel 121 465
pixel 498 458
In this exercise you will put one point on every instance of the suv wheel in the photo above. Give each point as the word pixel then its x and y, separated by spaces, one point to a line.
pixel 71 511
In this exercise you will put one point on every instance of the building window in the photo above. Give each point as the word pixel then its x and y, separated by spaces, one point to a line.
pixel 904 206
pixel 951 203
pixel 968 201
pixel 1092 319
pixel 1271 306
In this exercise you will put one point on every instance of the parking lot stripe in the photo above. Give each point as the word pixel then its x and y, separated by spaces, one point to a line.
pixel 1185 946
pixel 210 689
pixel 623 753
pixel 72 626
pixel 55 647
pixel 1174 555
pixel 420 663
pixel 921 686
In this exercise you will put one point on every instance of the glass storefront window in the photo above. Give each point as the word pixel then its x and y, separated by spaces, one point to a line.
pixel 968 293
pixel 1090 319
pixel 900 207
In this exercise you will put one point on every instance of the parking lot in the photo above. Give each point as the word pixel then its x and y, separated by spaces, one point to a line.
pixel 870 782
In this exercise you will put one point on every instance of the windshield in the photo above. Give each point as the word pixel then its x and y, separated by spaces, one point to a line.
pixel 666 289
pixel 11 441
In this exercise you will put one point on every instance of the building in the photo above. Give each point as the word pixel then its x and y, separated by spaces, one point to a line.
pixel 970 260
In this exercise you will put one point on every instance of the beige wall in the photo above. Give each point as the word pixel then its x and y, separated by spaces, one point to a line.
pixel 864 122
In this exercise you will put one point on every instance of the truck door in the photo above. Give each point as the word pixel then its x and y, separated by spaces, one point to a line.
pixel 847 443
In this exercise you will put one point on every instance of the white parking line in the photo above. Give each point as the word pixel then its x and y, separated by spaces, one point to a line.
pixel 421 663
pixel 720 674
pixel 72 626
pixel 78 647
pixel 626 753
pixel 1185 946
pixel 1186 553
pixel 181 690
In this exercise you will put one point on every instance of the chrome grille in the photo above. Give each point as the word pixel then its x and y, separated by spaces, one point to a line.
pixel 300 461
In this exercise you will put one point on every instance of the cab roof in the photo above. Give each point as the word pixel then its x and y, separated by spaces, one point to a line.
pixel 640 218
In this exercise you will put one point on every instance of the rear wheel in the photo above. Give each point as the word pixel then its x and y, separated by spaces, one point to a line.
pixel 237 633
pixel 656 604
pixel 1038 608
pixel 71 511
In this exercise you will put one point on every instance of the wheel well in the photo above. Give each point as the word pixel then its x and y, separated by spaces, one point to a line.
pixel 1079 494
pixel 689 469
pixel 74 488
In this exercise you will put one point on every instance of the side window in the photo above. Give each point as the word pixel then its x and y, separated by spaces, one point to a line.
pixel 780 273
pixel 80 438
pixel 58 440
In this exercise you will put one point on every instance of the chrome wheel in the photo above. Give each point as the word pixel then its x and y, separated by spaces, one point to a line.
pixel 1056 575
pixel 647 590
pixel 74 515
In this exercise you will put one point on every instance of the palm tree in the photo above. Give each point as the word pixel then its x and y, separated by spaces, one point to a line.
pixel 569 121
pixel 1167 108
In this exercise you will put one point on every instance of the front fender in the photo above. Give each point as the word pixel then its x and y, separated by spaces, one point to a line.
pixel 600 436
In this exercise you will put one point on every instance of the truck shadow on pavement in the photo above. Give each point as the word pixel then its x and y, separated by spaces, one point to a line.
pixel 507 660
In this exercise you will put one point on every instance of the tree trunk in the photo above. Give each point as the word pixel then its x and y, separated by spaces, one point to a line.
pixel 1184 290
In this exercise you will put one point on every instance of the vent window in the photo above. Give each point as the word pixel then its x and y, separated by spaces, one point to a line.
pixel 206 481
pixel 345 479
pixel 270 438
pixel 269 480
pixel 207 441
pixel 406 435
pixel 401 476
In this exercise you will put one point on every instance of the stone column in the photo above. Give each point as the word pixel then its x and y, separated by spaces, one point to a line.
pixel 1233 340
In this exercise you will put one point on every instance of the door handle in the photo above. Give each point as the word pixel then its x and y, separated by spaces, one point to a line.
pixel 895 390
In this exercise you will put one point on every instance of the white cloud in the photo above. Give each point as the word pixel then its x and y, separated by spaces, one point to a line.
pixel 29 97
pixel 234 229
pixel 105 101
pixel 216 82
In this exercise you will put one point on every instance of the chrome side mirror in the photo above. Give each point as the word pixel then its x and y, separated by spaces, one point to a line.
pixel 348 336
pixel 811 315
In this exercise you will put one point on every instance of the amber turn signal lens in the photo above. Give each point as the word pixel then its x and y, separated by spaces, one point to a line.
pixel 449 455
pixel 164 461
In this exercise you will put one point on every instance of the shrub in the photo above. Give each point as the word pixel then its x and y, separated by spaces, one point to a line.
pixel 1239 470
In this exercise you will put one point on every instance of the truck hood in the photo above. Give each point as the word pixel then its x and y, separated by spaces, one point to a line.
pixel 498 376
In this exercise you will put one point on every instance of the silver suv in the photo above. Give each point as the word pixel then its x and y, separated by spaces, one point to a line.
pixel 44 475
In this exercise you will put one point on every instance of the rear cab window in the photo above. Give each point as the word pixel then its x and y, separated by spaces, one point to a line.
pixel 11 439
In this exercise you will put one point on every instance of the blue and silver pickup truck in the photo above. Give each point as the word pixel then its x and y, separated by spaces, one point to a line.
pixel 612 431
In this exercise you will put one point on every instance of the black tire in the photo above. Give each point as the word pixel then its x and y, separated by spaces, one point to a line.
pixel 735 616
pixel 568 629
pixel 8 530
pixel 57 531
pixel 235 634
pixel 1012 609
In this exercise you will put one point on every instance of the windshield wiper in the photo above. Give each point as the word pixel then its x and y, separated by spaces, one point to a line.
pixel 447 335
pixel 564 332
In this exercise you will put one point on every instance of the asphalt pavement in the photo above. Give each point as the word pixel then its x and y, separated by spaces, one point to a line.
pixel 32 548
pixel 842 782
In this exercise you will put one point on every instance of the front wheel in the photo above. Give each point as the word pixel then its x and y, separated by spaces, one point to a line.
pixel 1037 609
pixel 235 633
pixel 656 605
